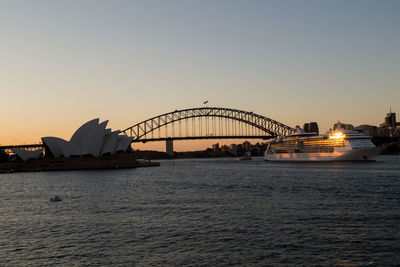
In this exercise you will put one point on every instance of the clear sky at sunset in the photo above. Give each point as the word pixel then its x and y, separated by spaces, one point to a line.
pixel 63 63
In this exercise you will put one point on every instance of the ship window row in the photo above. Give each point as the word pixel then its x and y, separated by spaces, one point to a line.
pixel 288 146
pixel 312 143
pixel 310 150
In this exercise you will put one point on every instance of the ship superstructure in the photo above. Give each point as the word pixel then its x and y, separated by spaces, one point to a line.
pixel 339 145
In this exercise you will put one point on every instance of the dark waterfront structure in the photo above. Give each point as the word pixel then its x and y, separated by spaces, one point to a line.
pixel 118 161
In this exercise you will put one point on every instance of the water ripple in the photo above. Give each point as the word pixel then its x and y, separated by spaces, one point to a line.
pixel 212 212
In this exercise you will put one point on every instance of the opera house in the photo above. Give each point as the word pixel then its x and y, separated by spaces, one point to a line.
pixel 92 139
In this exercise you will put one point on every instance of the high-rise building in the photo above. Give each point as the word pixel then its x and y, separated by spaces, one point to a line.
pixel 246 146
pixel 390 119
pixel 390 123
pixel 306 126
pixel 311 127
pixel 314 127
pixel 215 147
pixel 233 149
pixel 169 147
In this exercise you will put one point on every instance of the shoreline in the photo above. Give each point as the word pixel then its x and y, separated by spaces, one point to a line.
pixel 120 161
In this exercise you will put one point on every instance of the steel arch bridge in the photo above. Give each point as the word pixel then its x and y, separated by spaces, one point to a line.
pixel 207 123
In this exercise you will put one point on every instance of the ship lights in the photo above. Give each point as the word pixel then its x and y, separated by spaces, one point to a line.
pixel 338 135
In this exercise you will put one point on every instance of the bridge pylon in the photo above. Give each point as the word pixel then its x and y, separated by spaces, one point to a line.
pixel 169 146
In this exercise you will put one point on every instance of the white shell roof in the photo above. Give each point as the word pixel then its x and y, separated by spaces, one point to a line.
pixel 91 138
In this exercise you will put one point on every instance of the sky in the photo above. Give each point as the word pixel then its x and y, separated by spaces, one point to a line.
pixel 63 63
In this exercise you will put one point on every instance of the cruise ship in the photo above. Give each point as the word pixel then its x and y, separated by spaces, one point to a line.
pixel 338 145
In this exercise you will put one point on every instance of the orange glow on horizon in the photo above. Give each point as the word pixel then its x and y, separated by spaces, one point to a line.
pixel 191 145
pixel 34 137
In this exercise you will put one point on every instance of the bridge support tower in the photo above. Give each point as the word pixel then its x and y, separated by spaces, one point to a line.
pixel 169 147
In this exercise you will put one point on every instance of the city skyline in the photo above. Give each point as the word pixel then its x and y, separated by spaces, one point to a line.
pixel 64 63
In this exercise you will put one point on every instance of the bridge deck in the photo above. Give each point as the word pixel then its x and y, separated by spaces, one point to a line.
pixel 156 139
pixel 22 146
pixel 144 140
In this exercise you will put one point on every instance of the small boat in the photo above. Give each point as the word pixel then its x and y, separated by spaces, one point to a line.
pixel 55 198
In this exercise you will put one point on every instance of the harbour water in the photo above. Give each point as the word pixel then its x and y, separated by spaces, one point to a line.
pixel 205 212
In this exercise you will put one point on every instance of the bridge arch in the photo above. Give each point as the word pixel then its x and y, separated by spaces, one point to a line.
pixel 270 128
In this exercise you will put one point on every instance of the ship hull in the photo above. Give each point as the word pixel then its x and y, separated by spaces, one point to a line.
pixel 355 154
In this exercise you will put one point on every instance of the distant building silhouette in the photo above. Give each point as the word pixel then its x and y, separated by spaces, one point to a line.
pixel 388 128
pixel 344 126
pixel 233 148
pixel 215 147
pixel 390 119
pixel 369 130
pixel 311 127
pixel 246 146
pixel 169 147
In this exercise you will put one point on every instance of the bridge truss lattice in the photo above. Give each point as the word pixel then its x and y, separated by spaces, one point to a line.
pixel 207 123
